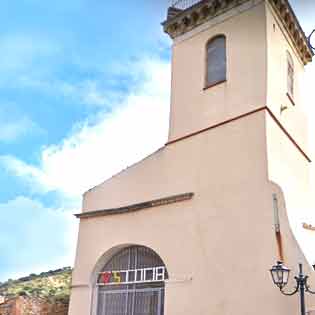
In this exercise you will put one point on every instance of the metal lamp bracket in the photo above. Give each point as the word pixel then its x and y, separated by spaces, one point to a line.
pixel 309 40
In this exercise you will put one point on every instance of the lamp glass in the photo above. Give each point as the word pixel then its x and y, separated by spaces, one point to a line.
pixel 280 275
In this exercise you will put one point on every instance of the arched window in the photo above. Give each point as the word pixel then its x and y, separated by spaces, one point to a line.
pixel 290 75
pixel 132 283
pixel 216 61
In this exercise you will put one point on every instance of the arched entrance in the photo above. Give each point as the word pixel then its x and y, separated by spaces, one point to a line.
pixel 132 283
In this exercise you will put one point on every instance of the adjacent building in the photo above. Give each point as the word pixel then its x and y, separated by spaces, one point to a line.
pixel 194 227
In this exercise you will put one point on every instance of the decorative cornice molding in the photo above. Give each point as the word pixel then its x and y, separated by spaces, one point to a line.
pixel 180 22
pixel 197 14
pixel 136 207
pixel 289 20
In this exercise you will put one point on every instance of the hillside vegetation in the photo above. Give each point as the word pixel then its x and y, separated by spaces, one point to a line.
pixel 53 285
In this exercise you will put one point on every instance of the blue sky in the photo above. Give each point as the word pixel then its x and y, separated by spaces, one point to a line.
pixel 78 77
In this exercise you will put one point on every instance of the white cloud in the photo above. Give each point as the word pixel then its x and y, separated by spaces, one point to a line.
pixel 20 52
pixel 136 127
pixel 86 92
pixel 93 91
pixel 13 130
pixel 35 238
pixel 92 95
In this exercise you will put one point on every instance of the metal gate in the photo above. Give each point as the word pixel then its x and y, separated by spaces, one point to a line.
pixel 131 302
pixel 131 296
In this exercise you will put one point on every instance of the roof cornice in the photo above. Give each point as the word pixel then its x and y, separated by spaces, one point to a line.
pixel 180 22
pixel 289 20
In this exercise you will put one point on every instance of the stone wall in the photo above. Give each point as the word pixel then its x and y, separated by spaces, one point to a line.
pixel 8 307
pixel 33 306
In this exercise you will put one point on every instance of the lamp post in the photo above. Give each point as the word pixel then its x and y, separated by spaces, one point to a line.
pixel 280 276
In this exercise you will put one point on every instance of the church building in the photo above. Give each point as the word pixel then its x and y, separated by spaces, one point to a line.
pixel 194 228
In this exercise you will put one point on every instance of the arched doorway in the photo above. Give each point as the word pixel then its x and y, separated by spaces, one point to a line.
pixel 132 283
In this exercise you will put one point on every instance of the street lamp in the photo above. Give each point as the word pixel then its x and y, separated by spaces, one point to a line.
pixel 280 277
pixel 310 39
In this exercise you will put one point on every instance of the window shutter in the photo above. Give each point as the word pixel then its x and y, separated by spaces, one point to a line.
pixel 216 61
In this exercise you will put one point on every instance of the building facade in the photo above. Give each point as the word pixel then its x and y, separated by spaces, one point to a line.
pixel 194 227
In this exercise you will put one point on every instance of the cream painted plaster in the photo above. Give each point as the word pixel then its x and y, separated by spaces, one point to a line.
pixel 293 118
pixel 194 108
pixel 290 170
pixel 223 238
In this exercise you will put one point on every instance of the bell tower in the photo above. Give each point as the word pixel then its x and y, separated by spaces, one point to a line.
pixel 210 208
pixel 231 58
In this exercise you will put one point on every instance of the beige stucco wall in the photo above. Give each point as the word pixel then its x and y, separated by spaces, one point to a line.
pixel 286 165
pixel 245 90
pixel 218 246
pixel 223 238
pixel 291 171
pixel 278 44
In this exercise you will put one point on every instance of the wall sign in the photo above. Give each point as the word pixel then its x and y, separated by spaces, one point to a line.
pixel 308 227
pixel 144 275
